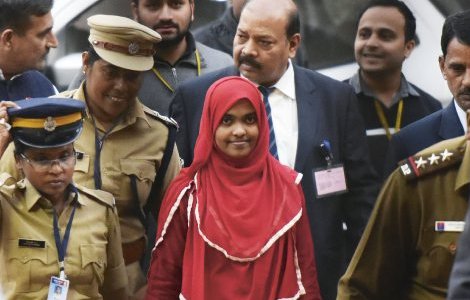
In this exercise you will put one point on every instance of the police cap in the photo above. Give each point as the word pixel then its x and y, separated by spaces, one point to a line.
pixel 46 122
pixel 123 42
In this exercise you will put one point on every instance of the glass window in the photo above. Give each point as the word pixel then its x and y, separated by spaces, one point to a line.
pixel 449 7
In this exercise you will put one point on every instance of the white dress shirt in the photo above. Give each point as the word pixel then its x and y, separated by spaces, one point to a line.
pixel 462 116
pixel 284 117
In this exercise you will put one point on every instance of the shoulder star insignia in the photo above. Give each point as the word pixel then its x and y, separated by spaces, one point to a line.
pixel 434 159
pixel 446 155
pixel 421 163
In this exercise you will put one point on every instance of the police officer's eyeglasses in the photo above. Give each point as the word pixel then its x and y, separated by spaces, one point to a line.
pixel 45 164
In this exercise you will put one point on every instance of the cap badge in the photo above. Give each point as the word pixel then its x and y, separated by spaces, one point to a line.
pixel 50 124
pixel 133 48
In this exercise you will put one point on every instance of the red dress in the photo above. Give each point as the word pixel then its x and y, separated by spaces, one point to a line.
pixel 233 228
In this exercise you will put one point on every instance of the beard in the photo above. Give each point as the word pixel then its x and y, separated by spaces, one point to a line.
pixel 170 41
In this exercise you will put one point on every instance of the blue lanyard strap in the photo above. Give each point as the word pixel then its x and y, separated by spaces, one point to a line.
pixel 62 245
pixel 99 141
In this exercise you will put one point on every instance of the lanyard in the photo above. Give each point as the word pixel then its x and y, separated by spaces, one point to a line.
pixel 99 141
pixel 62 245
pixel 165 83
pixel 383 119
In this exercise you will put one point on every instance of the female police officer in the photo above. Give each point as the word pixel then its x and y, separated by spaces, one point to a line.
pixel 124 145
pixel 54 234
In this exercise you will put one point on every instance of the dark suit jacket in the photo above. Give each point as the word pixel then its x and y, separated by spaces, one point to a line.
pixel 327 109
pixel 440 125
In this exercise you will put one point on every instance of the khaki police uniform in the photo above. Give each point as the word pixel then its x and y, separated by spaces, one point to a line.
pixel 133 148
pixel 93 263
pixel 409 244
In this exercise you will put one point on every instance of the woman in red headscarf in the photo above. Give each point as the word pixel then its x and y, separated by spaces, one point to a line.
pixel 233 224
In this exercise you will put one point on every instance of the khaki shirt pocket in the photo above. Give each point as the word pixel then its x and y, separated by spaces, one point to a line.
pixel 21 262
pixel 94 262
pixel 144 171
pixel 439 258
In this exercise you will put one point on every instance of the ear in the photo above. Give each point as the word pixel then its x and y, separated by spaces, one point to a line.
pixel 6 38
pixel 191 5
pixel 409 47
pixel 442 65
pixel 294 43
pixel 135 11
pixel 85 60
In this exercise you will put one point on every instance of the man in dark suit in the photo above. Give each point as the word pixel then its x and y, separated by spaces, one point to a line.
pixel 449 122
pixel 316 123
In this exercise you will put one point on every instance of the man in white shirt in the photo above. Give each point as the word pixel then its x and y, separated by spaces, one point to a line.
pixel 317 128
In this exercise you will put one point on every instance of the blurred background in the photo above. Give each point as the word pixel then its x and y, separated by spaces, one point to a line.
pixel 328 31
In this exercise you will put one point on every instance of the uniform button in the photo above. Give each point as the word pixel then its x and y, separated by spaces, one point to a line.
pixel 452 248
pixel 25 258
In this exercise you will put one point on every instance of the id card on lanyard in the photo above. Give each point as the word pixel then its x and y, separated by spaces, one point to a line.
pixel 59 286
pixel 330 180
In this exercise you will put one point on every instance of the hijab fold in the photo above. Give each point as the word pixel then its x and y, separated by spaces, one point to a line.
pixel 242 204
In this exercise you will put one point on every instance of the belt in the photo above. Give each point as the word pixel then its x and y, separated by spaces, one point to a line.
pixel 133 251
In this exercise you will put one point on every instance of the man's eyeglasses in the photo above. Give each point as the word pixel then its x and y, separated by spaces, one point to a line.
pixel 46 164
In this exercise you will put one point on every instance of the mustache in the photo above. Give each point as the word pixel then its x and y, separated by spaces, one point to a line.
pixel 464 92
pixel 165 23
pixel 248 60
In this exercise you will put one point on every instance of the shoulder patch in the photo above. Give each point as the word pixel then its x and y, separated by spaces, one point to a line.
pixel 98 195
pixel 164 119
pixel 6 179
pixel 427 163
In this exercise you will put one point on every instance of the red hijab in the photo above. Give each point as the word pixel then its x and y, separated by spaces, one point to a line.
pixel 243 205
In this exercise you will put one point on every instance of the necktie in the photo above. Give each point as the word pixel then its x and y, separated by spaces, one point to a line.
pixel 272 138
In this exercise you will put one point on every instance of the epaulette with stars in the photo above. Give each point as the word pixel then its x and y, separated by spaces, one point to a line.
pixel 164 119
pixel 426 163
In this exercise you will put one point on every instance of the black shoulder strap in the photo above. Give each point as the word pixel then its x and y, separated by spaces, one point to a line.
pixel 152 206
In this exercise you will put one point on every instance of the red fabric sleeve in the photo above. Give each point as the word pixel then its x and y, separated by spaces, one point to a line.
pixel 165 273
pixel 306 256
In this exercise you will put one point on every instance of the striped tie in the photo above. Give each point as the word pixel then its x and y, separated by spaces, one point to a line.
pixel 272 138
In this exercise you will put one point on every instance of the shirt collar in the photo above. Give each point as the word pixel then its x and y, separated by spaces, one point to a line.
pixel 188 55
pixel 32 195
pixel 359 85
pixel 286 84
pixel 2 76
pixel 462 116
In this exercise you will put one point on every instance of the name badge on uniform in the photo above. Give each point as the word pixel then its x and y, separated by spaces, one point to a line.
pixel 330 181
pixel 31 243
pixel 58 289
pixel 449 226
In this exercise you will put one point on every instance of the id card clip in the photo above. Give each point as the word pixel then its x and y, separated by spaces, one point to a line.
pixel 325 149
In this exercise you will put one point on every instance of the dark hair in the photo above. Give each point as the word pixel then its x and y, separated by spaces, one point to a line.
pixel 293 24
pixel 410 21
pixel 15 14
pixel 20 147
pixel 458 26
pixel 136 2
pixel 92 55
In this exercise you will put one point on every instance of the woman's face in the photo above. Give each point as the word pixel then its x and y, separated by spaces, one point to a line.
pixel 110 90
pixel 237 133
pixel 50 170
